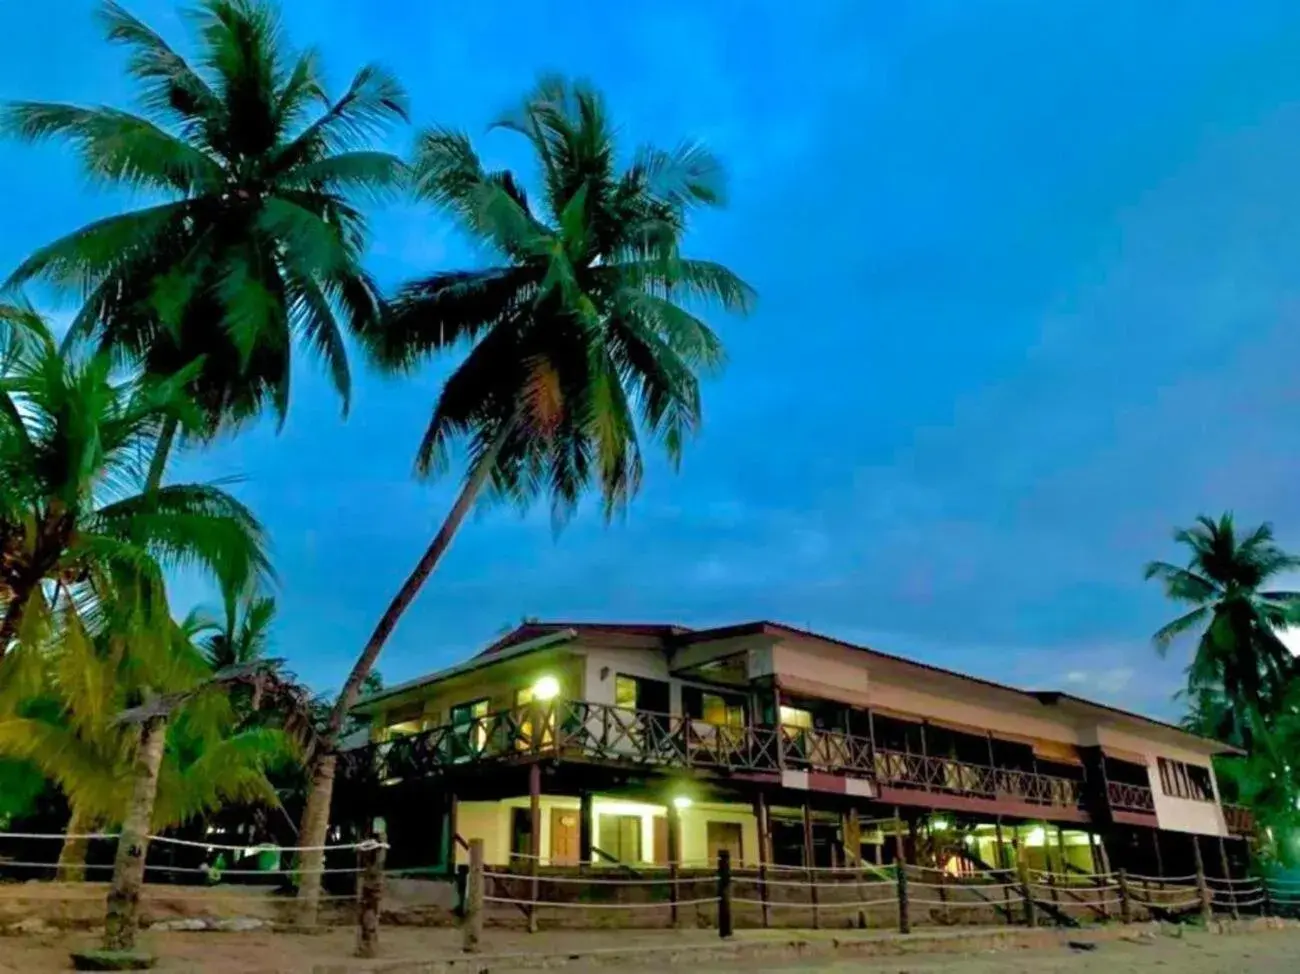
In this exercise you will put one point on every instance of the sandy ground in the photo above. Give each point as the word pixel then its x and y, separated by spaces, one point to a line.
pixel 208 953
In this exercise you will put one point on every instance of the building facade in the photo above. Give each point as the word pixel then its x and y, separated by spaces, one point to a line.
pixel 589 744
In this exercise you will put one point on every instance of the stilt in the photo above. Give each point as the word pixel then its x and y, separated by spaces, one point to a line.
pixel 1001 863
pixel 585 822
pixel 534 838
pixel 764 854
pixel 674 861
pixel 1227 874
pixel 449 840
pixel 810 865
pixel 1160 862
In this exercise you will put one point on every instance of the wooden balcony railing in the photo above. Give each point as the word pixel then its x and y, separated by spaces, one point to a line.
pixel 1239 819
pixel 975 780
pixel 1130 798
pixel 603 733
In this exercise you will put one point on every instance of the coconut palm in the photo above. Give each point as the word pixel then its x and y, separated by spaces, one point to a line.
pixel 72 440
pixel 581 338
pixel 1239 658
pixel 251 240
pixel 68 731
pixel 242 635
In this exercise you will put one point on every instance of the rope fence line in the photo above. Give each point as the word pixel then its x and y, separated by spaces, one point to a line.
pixel 542 904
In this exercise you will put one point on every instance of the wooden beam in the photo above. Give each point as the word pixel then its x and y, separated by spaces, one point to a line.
pixel 534 837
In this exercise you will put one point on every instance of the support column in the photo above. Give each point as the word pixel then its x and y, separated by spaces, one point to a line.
pixel 809 864
pixel 1227 874
pixel 586 819
pixel 450 825
pixel 764 854
pixel 1160 861
pixel 851 826
pixel 534 837
pixel 674 860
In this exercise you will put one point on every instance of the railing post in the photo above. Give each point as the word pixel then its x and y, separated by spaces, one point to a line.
pixel 904 901
pixel 1266 906
pixel 1026 890
pixel 1202 887
pixel 1125 899
pixel 724 894
pixel 473 924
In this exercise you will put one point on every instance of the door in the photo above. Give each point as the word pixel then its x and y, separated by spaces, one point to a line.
pixel 661 840
pixel 725 835
pixel 564 836
pixel 521 830
pixel 620 837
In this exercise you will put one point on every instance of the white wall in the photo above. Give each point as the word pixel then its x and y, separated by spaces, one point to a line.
pixel 695 831
pixel 632 662
pixel 1175 814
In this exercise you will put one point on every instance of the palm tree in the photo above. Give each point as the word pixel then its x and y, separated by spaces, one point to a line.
pixel 582 337
pixel 251 240
pixel 242 635
pixel 72 523
pixel 1239 660
pixel 69 734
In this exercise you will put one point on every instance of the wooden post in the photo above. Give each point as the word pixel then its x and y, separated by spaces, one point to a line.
pixel 462 888
pixel 452 824
pixel 900 856
pixel 534 836
pixel 1099 875
pixel 1202 887
pixel 904 903
pixel 1160 862
pixel 370 895
pixel 1001 860
pixel 1125 900
pixel 809 865
pixel 1060 849
pixel 1227 875
pixel 943 896
pixel 674 860
pixel 1027 891
pixel 764 855
pixel 472 927
pixel 585 822
pixel 852 828
pixel 724 894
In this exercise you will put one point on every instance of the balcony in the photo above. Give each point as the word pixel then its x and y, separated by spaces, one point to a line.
pixel 1130 798
pixel 605 734
pixel 1239 819
pixel 936 774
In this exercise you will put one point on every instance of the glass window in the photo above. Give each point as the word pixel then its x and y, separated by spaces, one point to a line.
pixel 716 709
pixel 625 692
pixel 620 837
pixel 467 719
pixel 1190 781
pixel 795 717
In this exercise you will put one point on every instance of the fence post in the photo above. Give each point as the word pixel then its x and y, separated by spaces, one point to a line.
pixel 1202 887
pixel 462 887
pixel 724 893
pixel 1125 900
pixel 904 907
pixel 1026 891
pixel 943 896
pixel 1266 907
pixel 474 891
pixel 370 894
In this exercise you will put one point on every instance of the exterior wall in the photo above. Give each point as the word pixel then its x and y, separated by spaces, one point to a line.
pixel 630 662
pixel 1174 814
pixel 695 832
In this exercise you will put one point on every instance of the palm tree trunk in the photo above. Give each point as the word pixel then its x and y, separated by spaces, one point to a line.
pixel 315 815
pixel 161 452
pixel 72 856
pixel 122 921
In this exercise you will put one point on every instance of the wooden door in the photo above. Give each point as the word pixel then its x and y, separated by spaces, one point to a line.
pixel 661 840
pixel 564 836
pixel 725 835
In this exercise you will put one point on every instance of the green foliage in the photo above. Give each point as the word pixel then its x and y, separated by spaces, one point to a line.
pixel 1242 684
pixel 583 336
pixel 71 731
pixel 73 523
pixel 253 241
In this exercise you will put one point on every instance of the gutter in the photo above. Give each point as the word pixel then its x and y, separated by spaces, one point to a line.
pixel 469 666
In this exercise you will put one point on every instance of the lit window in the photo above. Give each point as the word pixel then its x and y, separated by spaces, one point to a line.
pixel 625 692
pixel 795 717
pixel 715 709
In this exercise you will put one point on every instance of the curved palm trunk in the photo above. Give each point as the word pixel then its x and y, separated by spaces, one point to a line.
pixel 162 451
pixel 72 856
pixel 122 921
pixel 315 816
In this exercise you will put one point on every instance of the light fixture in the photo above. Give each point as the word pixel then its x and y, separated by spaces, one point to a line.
pixel 681 802
pixel 1037 836
pixel 547 688
pixel 969 839
pixel 939 825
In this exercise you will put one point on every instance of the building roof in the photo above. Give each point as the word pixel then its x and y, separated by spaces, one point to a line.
pixel 536 635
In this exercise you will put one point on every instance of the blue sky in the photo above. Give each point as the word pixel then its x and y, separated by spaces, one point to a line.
pixel 1029 280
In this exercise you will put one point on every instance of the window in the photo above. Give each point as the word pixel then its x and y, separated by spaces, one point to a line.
pixel 625 692
pixel 620 837
pixel 715 709
pixel 1190 781
pixel 405 720
pixel 467 720
pixel 795 717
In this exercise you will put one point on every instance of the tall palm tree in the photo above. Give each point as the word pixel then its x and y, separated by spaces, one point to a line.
pixel 251 241
pixel 72 521
pixel 1239 658
pixel 581 339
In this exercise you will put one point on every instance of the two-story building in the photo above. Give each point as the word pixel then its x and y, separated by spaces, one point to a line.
pixel 589 743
